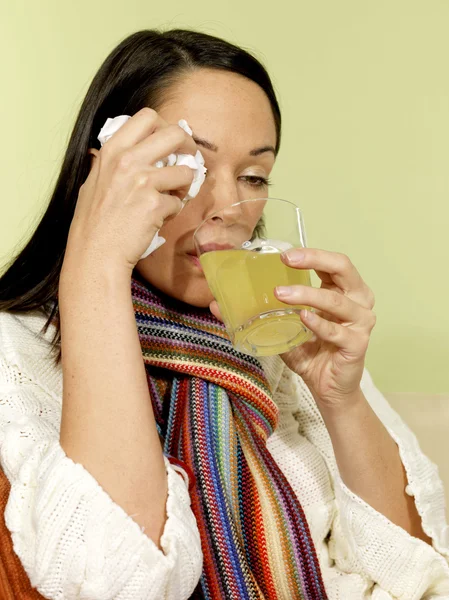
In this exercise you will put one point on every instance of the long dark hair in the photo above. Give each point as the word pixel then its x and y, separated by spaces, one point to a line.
pixel 136 74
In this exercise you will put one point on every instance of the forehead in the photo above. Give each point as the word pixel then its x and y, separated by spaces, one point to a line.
pixel 218 104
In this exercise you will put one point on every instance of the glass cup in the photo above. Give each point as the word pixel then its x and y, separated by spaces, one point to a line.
pixel 239 249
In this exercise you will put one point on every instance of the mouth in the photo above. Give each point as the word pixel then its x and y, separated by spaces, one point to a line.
pixel 193 258
pixel 211 246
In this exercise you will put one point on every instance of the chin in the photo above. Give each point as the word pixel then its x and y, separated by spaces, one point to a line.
pixel 195 293
pixel 191 289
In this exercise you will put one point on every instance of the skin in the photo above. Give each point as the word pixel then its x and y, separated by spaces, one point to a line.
pixel 107 419
pixel 245 105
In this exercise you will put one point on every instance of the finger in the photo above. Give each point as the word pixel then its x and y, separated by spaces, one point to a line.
pixel 331 267
pixel 340 336
pixel 143 124
pixel 215 310
pixel 159 208
pixel 329 301
pixel 172 179
pixel 164 141
pixel 171 206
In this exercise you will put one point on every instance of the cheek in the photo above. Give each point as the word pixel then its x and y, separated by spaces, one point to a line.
pixel 171 271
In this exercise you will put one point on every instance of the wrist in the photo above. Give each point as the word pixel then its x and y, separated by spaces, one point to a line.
pixel 346 417
pixel 93 279
pixel 343 407
pixel 85 254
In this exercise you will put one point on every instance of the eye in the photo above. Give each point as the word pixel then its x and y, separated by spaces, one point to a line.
pixel 255 181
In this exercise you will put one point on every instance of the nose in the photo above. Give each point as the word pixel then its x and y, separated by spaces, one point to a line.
pixel 229 215
pixel 221 192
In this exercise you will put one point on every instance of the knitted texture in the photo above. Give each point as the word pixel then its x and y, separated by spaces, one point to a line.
pixel 214 409
pixel 75 543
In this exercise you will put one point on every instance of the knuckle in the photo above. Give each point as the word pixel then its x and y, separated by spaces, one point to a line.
pixel 149 113
pixel 141 180
pixel 177 134
pixel 176 129
pixel 152 200
pixel 154 207
pixel 124 161
pixel 161 207
pixel 156 219
pixel 372 321
pixel 371 298
pixel 333 331
pixel 336 299
pixel 345 261
pixel 187 173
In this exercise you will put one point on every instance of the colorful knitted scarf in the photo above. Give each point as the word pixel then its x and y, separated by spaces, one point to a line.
pixel 214 409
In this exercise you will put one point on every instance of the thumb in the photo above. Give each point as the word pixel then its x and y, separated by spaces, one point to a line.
pixel 215 310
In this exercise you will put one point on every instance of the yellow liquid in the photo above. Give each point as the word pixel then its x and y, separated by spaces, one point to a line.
pixel 243 282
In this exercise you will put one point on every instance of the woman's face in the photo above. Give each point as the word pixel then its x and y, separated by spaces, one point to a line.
pixel 231 119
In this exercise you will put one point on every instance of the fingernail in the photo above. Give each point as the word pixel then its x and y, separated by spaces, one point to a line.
pixel 283 291
pixel 308 316
pixel 294 257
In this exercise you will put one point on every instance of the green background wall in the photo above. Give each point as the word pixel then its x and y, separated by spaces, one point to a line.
pixel 364 88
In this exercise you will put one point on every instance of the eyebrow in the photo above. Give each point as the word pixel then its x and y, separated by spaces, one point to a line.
pixel 214 148
pixel 205 144
pixel 258 151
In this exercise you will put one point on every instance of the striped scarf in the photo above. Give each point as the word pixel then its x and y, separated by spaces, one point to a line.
pixel 214 410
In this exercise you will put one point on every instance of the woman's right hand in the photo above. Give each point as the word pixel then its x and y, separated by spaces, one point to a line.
pixel 126 199
pixel 107 422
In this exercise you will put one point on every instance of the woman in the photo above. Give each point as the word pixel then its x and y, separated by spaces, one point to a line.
pixel 138 459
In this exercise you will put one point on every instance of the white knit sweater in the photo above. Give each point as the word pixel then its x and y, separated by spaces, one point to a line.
pixel 75 542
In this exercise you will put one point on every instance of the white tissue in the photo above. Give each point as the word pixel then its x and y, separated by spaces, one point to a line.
pixel 110 127
pixel 196 163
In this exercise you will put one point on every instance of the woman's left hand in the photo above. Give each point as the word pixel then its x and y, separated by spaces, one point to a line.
pixel 332 362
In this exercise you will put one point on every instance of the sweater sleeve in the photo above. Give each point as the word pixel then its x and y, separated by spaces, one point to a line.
pixel 363 542
pixel 73 541
pixel 402 566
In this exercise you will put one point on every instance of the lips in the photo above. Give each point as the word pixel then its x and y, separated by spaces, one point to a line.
pixel 211 246
pixel 195 260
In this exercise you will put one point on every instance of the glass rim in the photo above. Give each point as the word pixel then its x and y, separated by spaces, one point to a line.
pixel 215 213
